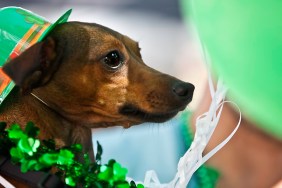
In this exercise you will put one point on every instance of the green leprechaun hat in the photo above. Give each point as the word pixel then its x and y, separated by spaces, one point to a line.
pixel 20 29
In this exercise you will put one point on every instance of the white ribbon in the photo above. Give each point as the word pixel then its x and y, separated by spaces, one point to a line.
pixel 193 158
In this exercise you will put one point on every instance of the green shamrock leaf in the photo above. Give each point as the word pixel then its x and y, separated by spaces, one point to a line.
pixel 27 165
pixel 105 173
pixel 140 186
pixel 86 158
pixel 39 166
pixel 99 152
pixel 34 143
pixel 15 132
pixel 76 148
pixel 16 154
pixel 133 185
pixel 65 157
pixel 119 172
pixel 77 170
pixel 49 159
pixel 31 130
pixel 69 181
pixel 123 185
pixel 28 145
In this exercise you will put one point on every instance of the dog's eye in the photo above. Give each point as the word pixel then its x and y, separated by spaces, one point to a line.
pixel 113 60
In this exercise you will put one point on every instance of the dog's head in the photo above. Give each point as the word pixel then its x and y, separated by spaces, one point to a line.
pixel 92 75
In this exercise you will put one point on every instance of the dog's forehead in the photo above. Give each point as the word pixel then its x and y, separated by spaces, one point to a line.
pixel 99 33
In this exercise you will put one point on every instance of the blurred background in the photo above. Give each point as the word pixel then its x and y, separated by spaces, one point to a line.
pixel 167 45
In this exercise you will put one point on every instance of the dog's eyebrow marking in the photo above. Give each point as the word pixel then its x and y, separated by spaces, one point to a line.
pixel 132 46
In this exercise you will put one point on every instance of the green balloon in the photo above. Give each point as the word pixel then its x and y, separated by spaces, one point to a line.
pixel 243 39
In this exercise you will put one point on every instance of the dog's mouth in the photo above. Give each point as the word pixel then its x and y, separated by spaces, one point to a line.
pixel 139 114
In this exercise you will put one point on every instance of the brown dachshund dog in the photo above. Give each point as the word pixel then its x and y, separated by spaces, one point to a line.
pixel 85 76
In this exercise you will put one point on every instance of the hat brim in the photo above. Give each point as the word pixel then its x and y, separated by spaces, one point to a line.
pixel 64 18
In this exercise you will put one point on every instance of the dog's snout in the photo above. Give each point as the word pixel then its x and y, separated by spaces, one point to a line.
pixel 183 89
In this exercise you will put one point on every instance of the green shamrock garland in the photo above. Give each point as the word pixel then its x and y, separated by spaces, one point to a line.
pixel 31 154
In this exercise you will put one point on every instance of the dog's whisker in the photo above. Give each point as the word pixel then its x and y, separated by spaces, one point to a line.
pixel 40 100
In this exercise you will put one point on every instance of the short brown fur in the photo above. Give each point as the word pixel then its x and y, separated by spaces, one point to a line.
pixel 67 71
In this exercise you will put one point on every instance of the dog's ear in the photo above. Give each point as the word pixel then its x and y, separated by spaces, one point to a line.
pixel 35 66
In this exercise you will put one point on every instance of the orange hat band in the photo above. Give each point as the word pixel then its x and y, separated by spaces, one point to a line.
pixel 30 38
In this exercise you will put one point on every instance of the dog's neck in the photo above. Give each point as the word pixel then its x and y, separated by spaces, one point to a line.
pixel 21 109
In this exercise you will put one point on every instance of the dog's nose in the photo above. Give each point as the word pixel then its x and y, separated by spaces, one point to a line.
pixel 183 89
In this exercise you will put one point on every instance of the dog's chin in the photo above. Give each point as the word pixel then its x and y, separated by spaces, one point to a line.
pixel 136 113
